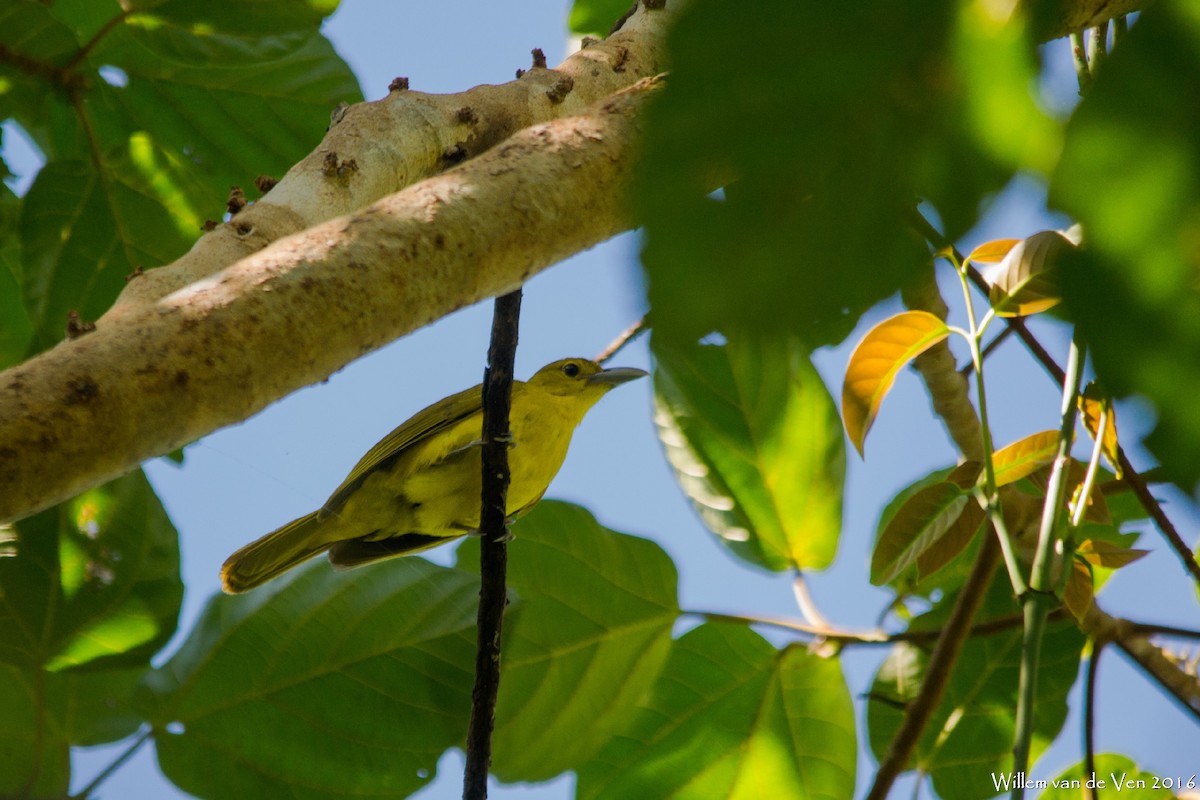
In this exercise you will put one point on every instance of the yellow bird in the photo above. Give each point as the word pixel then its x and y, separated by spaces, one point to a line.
pixel 420 486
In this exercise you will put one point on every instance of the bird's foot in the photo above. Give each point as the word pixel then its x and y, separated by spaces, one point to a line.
pixel 507 536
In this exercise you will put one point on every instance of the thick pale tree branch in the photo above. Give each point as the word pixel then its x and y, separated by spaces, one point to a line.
pixel 162 373
pixel 378 148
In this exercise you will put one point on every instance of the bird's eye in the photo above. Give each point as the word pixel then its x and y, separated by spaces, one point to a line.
pixel 570 369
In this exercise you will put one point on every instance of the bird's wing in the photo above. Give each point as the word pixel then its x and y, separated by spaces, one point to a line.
pixel 424 424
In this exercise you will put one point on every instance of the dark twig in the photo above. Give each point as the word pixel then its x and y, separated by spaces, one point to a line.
pixel 1089 717
pixel 1154 509
pixel 493 558
pixel 937 671
pixel 125 755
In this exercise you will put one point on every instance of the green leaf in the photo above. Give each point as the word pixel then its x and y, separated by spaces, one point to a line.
pixel 970 735
pixel 596 17
pixel 81 708
pixel 1116 771
pixel 20 751
pixel 823 150
pixel 258 115
pixel 260 19
pixel 591 635
pixel 732 717
pixel 917 525
pixel 1133 290
pixel 756 444
pixel 15 330
pixel 959 538
pixel 997 61
pixel 136 215
pixel 320 684
pixel 95 581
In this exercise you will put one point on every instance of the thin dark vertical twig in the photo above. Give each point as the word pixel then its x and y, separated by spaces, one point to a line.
pixel 493 557
pixel 1089 718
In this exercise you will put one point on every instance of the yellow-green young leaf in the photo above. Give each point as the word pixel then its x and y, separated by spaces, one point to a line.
pixel 919 523
pixel 991 252
pixel 1091 404
pixel 1097 506
pixel 1107 554
pixel 1077 596
pixel 1024 457
pixel 944 550
pixel 873 366
pixel 1023 282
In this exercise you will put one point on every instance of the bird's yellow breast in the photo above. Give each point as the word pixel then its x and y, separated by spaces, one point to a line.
pixel 434 487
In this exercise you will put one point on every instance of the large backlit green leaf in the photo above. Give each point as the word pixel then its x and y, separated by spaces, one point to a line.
pixel 852 115
pixel 1135 282
pixel 590 635
pixel 320 685
pixel 756 444
pixel 970 735
pixel 95 581
pixel 734 718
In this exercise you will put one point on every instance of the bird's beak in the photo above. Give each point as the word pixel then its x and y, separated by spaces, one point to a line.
pixel 617 375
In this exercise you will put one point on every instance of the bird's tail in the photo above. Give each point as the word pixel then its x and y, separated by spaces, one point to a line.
pixel 274 553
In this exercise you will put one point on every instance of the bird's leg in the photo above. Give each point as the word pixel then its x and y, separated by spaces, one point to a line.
pixel 506 438
pixel 507 536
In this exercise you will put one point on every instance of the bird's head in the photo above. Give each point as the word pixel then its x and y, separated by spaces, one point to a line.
pixel 581 376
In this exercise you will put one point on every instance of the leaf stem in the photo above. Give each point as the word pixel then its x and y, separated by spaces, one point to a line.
pixel 1089 480
pixel 991 496
pixel 1037 601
